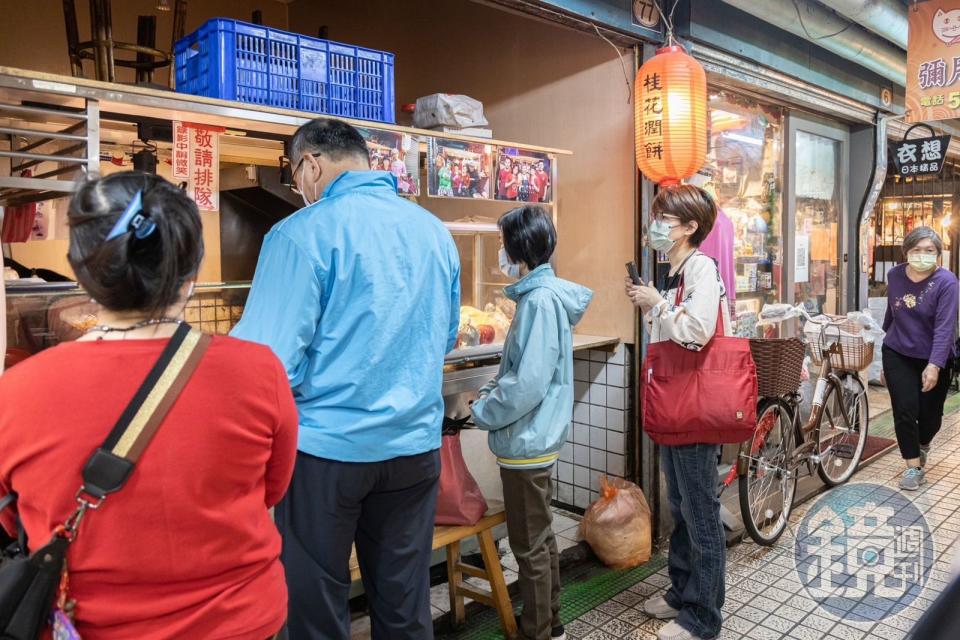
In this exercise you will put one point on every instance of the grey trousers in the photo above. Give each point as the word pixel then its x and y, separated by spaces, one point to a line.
pixel 526 496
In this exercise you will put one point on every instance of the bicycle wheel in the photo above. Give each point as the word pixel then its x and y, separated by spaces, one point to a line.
pixel 841 447
pixel 767 488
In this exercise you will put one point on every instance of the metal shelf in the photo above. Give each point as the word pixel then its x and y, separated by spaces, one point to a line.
pixel 73 148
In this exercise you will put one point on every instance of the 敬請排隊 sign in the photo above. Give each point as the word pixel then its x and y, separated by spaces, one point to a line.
pixel 933 61
pixel 920 156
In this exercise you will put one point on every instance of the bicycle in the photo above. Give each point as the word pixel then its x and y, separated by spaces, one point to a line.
pixel 831 441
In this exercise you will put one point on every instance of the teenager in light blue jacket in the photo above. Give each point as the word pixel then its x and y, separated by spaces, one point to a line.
pixel 529 405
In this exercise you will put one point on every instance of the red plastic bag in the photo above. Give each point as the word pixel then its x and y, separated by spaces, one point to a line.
pixel 617 526
pixel 460 501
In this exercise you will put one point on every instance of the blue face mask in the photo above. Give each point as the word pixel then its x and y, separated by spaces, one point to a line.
pixel 507 268
pixel 660 236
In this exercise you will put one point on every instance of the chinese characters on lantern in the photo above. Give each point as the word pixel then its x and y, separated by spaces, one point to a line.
pixel 670 116
pixel 922 156
pixel 181 150
pixel 652 117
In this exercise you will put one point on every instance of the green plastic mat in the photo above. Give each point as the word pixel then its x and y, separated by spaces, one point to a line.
pixel 882 426
pixel 576 599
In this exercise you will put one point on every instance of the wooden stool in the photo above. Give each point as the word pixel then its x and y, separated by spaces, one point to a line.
pixel 497 597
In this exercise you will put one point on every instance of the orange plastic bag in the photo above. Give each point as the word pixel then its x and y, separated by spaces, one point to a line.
pixel 617 526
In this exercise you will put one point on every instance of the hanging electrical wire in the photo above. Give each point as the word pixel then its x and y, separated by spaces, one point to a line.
pixel 667 21
pixel 623 65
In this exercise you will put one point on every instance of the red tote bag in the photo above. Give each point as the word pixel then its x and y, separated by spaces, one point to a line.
pixel 699 397
pixel 459 502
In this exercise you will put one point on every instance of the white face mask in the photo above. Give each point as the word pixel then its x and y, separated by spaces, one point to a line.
pixel 922 261
pixel 303 192
pixel 660 236
pixel 507 268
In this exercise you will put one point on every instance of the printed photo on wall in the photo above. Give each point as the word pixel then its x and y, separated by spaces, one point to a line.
pixel 458 169
pixel 397 153
pixel 524 176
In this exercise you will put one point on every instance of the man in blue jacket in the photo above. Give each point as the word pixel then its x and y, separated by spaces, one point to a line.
pixel 358 294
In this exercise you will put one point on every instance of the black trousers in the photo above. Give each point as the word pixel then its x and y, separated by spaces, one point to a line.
pixel 917 416
pixel 388 508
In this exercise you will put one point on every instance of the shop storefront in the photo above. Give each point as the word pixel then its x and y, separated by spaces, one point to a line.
pixel 590 188
pixel 904 205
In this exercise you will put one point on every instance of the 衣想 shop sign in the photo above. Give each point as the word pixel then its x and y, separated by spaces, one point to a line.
pixel 920 156
pixel 933 61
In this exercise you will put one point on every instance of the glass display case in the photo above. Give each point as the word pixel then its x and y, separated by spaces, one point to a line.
pixel 746 162
pixel 485 311
pixel 42 315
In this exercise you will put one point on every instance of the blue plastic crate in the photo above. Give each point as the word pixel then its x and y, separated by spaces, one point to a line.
pixel 235 60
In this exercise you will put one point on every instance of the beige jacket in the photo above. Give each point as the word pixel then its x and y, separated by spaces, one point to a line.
pixel 693 322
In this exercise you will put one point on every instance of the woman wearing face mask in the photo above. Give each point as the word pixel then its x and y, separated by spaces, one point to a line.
pixel 683 217
pixel 918 348
pixel 528 407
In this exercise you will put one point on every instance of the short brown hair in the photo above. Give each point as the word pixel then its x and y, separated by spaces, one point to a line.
pixel 690 204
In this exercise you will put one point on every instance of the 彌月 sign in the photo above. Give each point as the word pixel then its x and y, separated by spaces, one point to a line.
pixel 933 61
pixel 920 156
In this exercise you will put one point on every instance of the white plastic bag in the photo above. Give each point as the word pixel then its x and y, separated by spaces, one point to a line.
pixel 446 110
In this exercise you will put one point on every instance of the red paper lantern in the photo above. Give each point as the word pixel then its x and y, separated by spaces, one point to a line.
pixel 670 115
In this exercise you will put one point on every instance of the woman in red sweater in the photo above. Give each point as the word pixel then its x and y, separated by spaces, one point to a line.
pixel 187 548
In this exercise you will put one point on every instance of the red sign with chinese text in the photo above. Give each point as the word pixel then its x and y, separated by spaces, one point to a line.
pixel 181 150
pixel 204 167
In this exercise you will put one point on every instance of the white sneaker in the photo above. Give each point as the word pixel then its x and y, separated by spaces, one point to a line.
pixel 658 608
pixel 912 479
pixel 673 631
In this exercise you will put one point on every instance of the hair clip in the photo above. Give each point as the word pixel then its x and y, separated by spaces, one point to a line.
pixel 132 219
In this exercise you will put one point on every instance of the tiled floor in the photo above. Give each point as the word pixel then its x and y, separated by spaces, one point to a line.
pixel 765 599
pixel 565 525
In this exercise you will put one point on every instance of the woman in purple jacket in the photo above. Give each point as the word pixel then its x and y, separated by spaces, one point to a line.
pixel 921 326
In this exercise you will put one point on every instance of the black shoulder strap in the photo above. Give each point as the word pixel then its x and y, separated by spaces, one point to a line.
pixel 110 465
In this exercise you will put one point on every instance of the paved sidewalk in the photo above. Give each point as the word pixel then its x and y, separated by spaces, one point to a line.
pixel 766 599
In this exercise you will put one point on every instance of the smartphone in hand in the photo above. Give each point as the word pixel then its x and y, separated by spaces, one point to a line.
pixel 634 273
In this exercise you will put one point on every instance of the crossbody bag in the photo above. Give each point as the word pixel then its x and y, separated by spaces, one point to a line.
pixel 30 583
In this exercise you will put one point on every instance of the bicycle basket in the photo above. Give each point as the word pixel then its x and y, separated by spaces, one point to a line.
pixel 855 353
pixel 779 365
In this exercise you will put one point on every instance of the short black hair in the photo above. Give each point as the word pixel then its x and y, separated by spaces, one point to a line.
pixel 129 273
pixel 529 236
pixel 333 138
